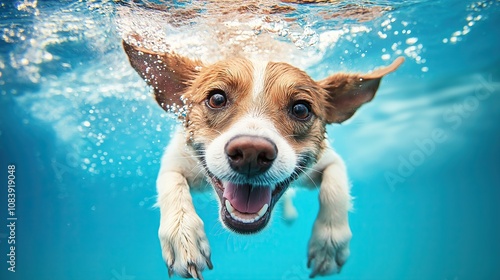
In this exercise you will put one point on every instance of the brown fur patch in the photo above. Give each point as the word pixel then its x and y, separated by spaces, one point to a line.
pixel 234 77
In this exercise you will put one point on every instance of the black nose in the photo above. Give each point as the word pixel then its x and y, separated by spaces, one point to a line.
pixel 250 155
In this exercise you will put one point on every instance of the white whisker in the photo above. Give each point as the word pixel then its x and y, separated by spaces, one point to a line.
pixel 310 169
pixel 191 156
pixel 309 177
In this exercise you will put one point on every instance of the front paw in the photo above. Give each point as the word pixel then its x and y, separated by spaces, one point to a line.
pixel 184 246
pixel 328 249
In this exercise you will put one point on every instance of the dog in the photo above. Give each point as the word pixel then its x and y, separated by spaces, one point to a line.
pixel 249 129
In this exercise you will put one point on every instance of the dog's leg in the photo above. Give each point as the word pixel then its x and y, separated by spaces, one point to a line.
pixel 329 243
pixel 289 211
pixel 183 241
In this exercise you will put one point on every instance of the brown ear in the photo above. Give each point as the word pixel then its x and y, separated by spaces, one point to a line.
pixel 168 74
pixel 347 92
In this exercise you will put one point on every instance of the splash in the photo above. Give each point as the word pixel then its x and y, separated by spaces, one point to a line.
pixel 39 32
pixel 475 10
pixel 272 30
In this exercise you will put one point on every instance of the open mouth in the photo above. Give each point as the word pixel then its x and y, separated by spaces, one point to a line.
pixel 246 208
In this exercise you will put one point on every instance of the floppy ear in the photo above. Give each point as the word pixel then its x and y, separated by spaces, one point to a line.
pixel 347 92
pixel 168 74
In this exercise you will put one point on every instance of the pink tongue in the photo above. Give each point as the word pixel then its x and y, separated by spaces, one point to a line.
pixel 245 198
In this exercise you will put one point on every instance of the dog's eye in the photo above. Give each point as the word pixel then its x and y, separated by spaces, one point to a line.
pixel 301 110
pixel 216 99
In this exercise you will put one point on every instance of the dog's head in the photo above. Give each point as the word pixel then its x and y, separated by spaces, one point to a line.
pixel 255 126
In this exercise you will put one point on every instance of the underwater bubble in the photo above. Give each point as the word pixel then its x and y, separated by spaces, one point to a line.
pixel 382 35
pixel 411 41
pixel 466 30
pixel 47 56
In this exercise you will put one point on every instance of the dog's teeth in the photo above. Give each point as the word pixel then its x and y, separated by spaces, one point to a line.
pixel 246 221
pixel 229 207
pixel 235 216
pixel 262 211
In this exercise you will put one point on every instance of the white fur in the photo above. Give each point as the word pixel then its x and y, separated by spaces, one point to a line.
pixel 259 74
pixel 290 213
pixel 181 233
pixel 329 242
pixel 283 165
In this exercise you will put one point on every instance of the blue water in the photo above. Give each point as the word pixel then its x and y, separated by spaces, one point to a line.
pixel 86 138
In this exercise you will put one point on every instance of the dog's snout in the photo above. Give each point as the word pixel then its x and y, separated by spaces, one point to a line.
pixel 250 155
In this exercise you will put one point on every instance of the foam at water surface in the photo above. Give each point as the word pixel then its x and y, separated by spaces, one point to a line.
pixel 213 30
